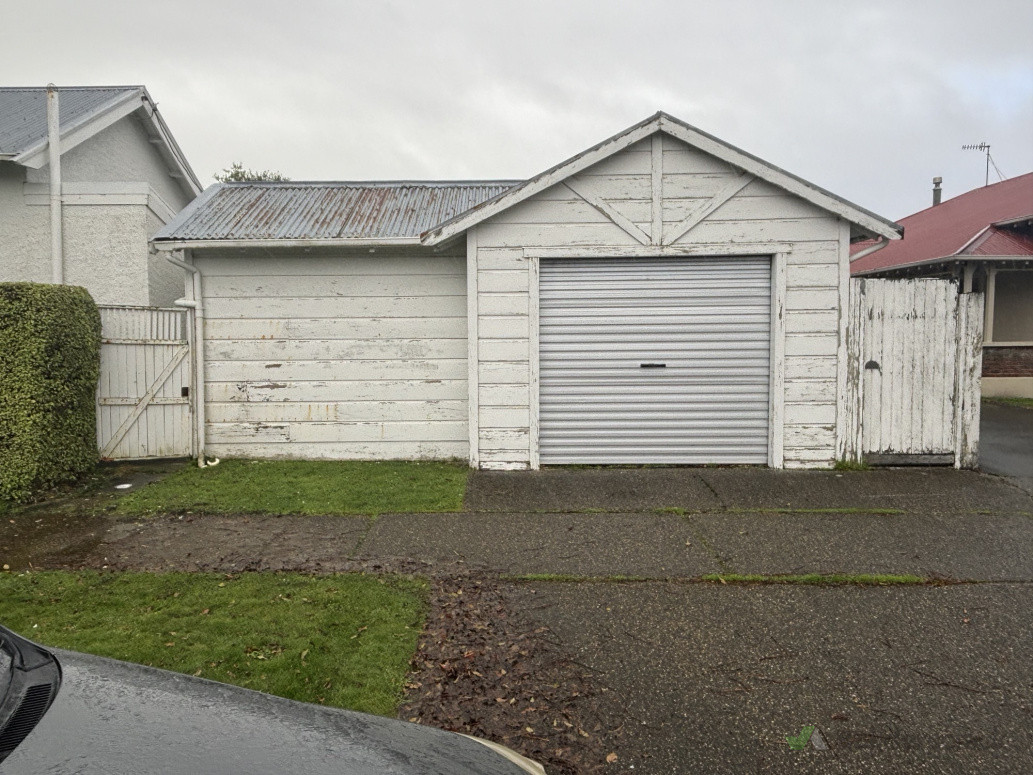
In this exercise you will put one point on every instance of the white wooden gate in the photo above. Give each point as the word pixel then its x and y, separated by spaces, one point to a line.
pixel 143 401
pixel 915 356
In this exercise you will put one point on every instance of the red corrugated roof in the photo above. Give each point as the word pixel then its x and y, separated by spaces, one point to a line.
pixel 947 228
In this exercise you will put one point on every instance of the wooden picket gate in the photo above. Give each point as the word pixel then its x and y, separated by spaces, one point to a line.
pixel 143 396
pixel 914 361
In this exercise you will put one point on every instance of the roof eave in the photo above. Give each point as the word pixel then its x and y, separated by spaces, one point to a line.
pixel 118 108
pixel 1013 221
pixel 951 259
pixel 174 156
pixel 86 127
pixel 281 244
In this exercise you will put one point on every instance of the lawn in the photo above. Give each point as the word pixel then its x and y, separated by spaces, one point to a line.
pixel 1025 403
pixel 304 487
pixel 340 640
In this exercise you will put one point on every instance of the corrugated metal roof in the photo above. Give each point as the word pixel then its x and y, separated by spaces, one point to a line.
pixel 949 228
pixel 23 111
pixel 326 211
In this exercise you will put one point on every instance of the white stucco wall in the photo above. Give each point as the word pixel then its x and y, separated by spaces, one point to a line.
pixel 123 151
pixel 760 220
pixel 118 192
pixel 24 231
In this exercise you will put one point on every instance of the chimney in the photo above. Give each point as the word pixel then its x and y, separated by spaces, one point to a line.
pixel 937 192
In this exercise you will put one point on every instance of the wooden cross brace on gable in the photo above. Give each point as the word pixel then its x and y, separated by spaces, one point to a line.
pixel 659 236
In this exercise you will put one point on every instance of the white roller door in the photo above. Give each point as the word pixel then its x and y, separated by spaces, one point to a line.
pixel 659 360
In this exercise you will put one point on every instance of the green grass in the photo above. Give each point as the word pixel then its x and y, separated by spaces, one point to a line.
pixel 864 579
pixel 1025 403
pixel 340 640
pixel 851 465
pixel 303 487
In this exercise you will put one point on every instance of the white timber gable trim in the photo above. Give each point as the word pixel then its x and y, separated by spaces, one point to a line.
pixel 137 101
pixel 868 223
pixel 118 109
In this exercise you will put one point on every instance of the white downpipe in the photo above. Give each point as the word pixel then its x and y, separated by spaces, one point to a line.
pixel 196 302
pixel 57 258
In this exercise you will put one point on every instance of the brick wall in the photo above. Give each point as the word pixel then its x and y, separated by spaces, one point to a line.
pixel 1007 361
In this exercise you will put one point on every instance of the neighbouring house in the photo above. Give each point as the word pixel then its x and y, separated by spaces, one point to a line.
pixel 984 240
pixel 82 192
pixel 662 297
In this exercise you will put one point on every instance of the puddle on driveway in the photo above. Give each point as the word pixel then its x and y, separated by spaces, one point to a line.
pixel 65 527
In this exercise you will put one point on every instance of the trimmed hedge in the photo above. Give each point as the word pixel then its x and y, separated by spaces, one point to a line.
pixel 49 365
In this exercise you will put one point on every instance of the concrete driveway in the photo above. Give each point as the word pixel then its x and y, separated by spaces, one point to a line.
pixel 1006 443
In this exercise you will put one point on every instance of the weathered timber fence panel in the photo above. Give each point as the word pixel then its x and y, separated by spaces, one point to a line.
pixel 914 349
pixel 143 401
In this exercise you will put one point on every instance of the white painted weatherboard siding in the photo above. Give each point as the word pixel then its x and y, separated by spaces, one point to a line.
pixel 342 356
pixel 664 360
pixel 660 184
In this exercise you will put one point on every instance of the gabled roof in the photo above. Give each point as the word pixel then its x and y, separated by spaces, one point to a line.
pixel 868 223
pixel 83 112
pixel 328 213
pixel 986 221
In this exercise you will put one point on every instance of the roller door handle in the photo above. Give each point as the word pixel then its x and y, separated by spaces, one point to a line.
pixel 652 365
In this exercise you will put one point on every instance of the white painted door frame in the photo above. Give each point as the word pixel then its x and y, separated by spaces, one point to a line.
pixel 778 252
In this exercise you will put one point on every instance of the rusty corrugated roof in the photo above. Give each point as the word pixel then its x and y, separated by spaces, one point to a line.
pixel 326 211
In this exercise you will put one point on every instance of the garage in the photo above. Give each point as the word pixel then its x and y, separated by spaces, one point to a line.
pixel 660 298
pixel 662 360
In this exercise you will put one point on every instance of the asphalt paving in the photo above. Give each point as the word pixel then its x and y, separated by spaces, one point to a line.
pixel 716 678
pixel 1006 443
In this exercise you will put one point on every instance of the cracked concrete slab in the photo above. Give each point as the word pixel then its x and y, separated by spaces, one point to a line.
pixel 959 546
pixel 586 489
pixel 650 545
pixel 905 489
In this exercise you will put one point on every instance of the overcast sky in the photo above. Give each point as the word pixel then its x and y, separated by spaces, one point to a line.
pixel 867 99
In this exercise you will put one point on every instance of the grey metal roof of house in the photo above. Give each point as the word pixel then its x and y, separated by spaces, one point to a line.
pixel 376 210
pixel 23 111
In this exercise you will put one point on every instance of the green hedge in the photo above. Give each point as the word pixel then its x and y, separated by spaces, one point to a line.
pixel 49 365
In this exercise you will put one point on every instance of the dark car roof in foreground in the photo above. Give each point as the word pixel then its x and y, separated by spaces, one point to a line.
pixel 114 717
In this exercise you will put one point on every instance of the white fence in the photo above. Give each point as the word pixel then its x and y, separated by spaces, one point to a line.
pixel 915 356
pixel 143 401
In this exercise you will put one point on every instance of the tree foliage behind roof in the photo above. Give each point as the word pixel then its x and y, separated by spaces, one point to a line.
pixel 238 173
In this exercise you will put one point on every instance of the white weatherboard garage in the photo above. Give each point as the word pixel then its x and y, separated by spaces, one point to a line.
pixel 662 297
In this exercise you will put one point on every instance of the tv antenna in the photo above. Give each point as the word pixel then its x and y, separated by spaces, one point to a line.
pixel 989 160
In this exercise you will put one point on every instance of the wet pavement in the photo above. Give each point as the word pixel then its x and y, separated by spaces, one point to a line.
pixel 1006 442
pixel 711 676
